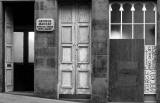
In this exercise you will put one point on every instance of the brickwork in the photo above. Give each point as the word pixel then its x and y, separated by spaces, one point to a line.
pixel 46 65
pixel 100 50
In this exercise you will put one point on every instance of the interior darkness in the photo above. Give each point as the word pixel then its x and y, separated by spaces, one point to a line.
pixel 23 16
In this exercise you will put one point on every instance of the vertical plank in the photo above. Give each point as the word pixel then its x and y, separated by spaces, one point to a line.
pixel 126 82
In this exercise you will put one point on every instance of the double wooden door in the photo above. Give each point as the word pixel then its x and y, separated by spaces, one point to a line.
pixel 74 47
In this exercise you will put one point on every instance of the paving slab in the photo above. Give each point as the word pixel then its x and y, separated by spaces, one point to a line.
pixel 10 98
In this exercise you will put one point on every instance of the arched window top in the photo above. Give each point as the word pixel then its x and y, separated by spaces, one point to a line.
pixel 126 9
pixel 116 14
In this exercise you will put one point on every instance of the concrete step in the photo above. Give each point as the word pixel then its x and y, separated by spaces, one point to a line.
pixel 150 102
pixel 77 100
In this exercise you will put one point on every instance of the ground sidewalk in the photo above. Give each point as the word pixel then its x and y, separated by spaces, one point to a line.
pixel 10 98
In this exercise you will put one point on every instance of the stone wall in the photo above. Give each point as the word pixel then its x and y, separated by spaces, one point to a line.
pixel 46 52
pixel 1 48
pixel 100 50
pixel 158 51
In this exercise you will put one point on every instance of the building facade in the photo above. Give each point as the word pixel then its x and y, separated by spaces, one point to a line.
pixel 98 50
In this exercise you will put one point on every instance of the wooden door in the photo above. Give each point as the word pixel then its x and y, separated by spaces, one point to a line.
pixel 74 47
pixel 8 50
pixel 126 73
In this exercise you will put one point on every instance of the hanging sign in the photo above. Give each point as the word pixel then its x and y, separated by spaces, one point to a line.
pixel 45 24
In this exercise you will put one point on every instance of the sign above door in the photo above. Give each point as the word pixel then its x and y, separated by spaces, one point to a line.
pixel 45 24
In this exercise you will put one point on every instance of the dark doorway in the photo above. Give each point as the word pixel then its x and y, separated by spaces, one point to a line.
pixel 23 45
pixel 23 61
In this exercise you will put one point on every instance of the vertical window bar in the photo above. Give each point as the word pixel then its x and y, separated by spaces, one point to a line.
pixel 132 9
pixel 121 10
pixel 144 17
pixel 155 10
pixel 110 10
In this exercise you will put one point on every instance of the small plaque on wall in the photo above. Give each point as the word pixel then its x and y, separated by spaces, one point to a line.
pixel 45 24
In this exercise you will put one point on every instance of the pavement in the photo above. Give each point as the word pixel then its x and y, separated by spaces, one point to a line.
pixel 11 98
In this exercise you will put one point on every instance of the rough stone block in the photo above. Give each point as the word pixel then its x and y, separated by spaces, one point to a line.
pixel 41 42
pixel 52 62
pixel 101 62
pixel 99 91
pixel 100 24
pixel 45 5
pixel 52 41
pixel 100 9
pixel 46 52
pixel 99 36
pixel 101 48
pixel 39 62
pixel 45 83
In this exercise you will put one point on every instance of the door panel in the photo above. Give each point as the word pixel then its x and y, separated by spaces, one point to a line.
pixel 66 54
pixel 126 81
pixel 83 55
pixel 66 13
pixel 67 34
pixel 83 33
pixel 83 13
pixel 8 50
pixel 74 69
pixel 83 79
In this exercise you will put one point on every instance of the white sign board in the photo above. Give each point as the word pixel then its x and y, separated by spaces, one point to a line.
pixel 45 24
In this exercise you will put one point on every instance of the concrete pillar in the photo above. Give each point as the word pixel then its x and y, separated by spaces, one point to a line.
pixel 46 52
pixel 100 50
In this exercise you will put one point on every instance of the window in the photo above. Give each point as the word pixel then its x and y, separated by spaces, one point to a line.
pixel 133 20
pixel 21 47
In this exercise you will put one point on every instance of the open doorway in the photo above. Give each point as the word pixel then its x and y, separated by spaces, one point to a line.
pixel 19 46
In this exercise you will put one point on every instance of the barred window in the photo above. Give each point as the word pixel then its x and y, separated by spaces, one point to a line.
pixel 133 20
